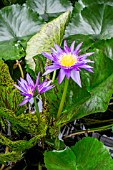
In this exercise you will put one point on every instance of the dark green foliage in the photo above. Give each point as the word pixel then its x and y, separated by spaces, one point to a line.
pixel 10 156
pixel 9 109
pixel 10 2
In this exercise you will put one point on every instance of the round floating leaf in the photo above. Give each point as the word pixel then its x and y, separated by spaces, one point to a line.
pixel 87 154
pixel 92 155
pixel 50 33
pixel 17 24
pixel 57 160
pixel 99 24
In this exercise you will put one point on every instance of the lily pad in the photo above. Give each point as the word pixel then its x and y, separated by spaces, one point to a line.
pixel 89 154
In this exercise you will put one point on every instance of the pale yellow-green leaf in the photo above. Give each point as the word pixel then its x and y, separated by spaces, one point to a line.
pixel 50 33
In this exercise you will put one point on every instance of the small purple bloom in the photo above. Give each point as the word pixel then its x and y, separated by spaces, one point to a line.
pixel 44 86
pixel 68 61
pixel 27 87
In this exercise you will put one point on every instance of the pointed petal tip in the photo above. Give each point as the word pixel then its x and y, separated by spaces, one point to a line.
pixel 25 100
pixel 80 85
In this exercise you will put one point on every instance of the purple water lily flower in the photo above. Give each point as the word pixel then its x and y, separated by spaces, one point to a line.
pixel 68 61
pixel 27 87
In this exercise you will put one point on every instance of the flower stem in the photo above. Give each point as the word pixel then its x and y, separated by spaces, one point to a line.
pixel 37 110
pixel 20 67
pixel 54 74
pixel 63 98
pixel 39 166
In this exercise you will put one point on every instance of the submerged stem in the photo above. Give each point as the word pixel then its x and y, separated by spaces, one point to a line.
pixel 63 98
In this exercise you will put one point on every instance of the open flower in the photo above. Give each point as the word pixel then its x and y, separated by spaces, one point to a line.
pixel 27 87
pixel 68 61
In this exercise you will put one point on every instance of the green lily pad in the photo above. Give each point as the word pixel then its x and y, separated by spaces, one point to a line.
pixel 87 154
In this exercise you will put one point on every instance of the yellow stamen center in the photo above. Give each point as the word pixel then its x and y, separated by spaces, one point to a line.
pixel 68 60
pixel 30 92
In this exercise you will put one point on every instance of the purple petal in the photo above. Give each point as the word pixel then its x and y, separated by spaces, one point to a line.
pixel 44 89
pixel 58 48
pixel 49 87
pixel 75 67
pixel 47 55
pixel 29 80
pixel 23 84
pixel 66 48
pixel 67 73
pixel 87 67
pixel 37 79
pixel 75 75
pixel 43 85
pixel 83 56
pixel 49 71
pixel 88 61
pixel 46 83
pixel 25 100
pixel 19 88
pixel 53 50
pixel 72 46
pixel 77 48
pixel 61 76
pixel 26 94
pixel 54 66
pixel 23 81
pixel 23 87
